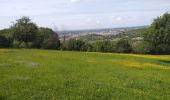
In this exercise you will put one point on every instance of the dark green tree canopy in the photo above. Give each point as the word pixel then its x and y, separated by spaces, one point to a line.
pixel 48 39
pixel 76 45
pixel 123 46
pixel 4 42
pixel 24 30
pixel 26 34
pixel 159 34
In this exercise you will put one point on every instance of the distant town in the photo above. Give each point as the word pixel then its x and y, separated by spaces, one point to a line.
pixel 103 32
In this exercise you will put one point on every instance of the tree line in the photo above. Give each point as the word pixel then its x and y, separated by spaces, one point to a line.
pixel 26 34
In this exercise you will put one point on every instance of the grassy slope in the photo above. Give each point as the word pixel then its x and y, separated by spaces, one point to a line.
pixel 36 74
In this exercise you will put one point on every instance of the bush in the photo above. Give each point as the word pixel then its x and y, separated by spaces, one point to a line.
pixel 159 34
pixel 123 46
pixel 26 34
pixel 47 39
pixel 142 47
pixel 103 46
pixel 4 42
pixel 75 45
pixel 162 49
pixel 50 43
pixel 89 48
pixel 22 45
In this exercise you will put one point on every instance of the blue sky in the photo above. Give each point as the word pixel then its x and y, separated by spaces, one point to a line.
pixel 83 14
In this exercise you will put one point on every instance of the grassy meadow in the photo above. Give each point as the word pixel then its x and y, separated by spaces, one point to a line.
pixel 29 74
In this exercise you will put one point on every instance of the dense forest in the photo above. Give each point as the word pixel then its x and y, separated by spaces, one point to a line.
pixel 153 40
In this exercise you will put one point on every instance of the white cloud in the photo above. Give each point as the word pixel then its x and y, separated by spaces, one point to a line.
pixel 73 1
pixel 119 19
pixel 89 19
pixel 98 22
pixel 112 16
pixel 92 13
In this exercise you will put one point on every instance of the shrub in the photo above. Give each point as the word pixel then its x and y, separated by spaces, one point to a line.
pixel 4 42
pixel 123 46
pixel 142 47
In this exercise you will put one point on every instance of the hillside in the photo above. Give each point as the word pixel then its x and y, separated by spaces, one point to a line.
pixel 47 74
pixel 133 34
pixel 108 33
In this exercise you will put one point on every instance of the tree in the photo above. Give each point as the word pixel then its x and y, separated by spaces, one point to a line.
pixel 123 46
pixel 4 42
pixel 76 45
pixel 47 39
pixel 103 46
pixel 159 34
pixel 5 38
pixel 26 34
pixel 8 33
pixel 89 47
pixel 142 47
pixel 24 30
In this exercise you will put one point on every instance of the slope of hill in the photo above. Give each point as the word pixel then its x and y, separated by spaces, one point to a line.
pixel 110 32
pixel 51 75
pixel 135 34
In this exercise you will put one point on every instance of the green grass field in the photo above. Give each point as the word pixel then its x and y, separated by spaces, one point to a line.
pixel 59 75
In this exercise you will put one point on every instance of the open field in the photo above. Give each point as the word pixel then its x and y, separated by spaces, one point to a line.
pixel 56 75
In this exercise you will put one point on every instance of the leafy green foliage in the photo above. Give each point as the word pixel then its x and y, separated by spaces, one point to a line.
pixel 26 34
pixel 25 30
pixel 123 46
pixel 47 39
pixel 76 45
pixel 99 46
pixel 103 46
pixel 159 34
pixel 4 42
pixel 52 42
pixel 6 38
pixel 142 47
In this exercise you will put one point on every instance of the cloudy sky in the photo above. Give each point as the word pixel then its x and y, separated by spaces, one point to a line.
pixel 83 14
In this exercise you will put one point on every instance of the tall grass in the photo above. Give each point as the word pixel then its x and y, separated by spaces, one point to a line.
pixel 56 75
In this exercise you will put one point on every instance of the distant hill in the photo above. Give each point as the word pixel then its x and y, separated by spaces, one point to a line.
pixel 100 33
pixel 134 33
